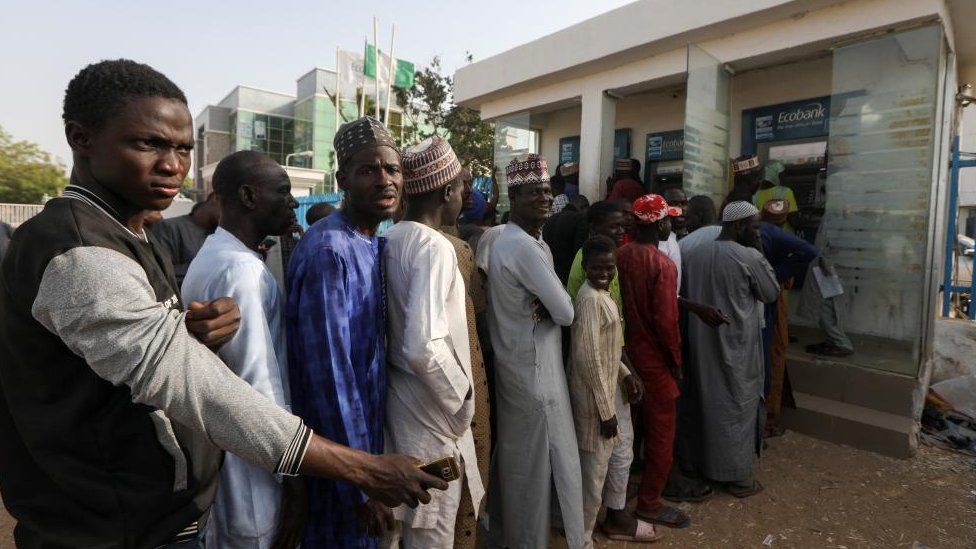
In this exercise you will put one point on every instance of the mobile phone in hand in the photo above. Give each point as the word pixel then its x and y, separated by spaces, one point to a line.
pixel 446 468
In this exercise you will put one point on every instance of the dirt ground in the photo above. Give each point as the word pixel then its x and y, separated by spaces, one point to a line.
pixel 824 495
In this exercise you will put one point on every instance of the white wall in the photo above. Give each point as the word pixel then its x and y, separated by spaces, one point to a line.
pixel 646 113
pixel 485 85
pixel 553 126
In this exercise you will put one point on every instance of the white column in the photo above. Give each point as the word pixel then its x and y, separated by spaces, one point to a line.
pixel 596 142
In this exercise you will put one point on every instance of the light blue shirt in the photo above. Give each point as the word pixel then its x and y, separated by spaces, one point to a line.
pixel 246 509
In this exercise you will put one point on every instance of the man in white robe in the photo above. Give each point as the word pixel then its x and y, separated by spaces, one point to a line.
pixel 429 402
pixel 255 200
pixel 536 448
pixel 725 372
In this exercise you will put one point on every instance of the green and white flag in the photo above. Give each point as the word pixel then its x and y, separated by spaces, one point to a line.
pixel 402 74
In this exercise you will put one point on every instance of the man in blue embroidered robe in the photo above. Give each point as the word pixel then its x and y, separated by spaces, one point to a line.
pixel 336 324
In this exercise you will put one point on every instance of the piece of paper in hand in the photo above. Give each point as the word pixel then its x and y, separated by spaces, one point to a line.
pixel 830 286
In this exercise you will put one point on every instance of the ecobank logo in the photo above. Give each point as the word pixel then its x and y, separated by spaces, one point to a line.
pixel 811 112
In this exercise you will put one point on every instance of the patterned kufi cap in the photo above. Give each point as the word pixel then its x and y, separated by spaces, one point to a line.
pixel 429 165
pixel 359 134
pixel 532 169
pixel 745 163
pixel 652 208
pixel 740 209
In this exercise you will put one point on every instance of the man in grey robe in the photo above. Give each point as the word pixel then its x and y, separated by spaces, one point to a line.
pixel 536 447
pixel 730 274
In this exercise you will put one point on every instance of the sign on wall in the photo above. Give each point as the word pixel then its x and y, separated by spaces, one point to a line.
pixel 664 146
pixel 785 121
pixel 569 147
pixel 621 143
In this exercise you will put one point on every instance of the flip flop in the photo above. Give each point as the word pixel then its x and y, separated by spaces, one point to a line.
pixel 672 517
pixel 646 533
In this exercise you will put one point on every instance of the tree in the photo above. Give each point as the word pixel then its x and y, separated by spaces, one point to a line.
pixel 430 108
pixel 27 172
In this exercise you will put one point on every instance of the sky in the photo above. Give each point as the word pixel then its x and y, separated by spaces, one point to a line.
pixel 207 47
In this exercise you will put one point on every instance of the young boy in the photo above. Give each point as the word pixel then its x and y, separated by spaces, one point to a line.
pixel 595 375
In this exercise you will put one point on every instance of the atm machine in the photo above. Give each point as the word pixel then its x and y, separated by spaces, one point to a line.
pixel 805 161
pixel 665 175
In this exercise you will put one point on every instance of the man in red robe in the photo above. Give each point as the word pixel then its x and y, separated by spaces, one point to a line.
pixel 649 287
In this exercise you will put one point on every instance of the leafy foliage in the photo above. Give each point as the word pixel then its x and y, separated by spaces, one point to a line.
pixel 430 107
pixel 27 172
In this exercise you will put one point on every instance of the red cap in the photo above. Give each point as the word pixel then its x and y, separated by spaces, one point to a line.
pixel 652 208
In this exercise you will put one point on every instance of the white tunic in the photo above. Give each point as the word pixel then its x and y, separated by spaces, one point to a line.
pixel 246 508
pixel 429 363
pixel 536 446
pixel 671 249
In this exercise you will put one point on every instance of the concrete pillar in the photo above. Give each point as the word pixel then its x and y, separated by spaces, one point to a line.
pixel 596 142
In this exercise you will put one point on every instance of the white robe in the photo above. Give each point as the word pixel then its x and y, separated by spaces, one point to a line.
pixel 428 405
pixel 724 374
pixel 536 444
pixel 672 249
pixel 246 508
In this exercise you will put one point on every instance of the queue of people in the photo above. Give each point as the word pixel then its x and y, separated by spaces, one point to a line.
pixel 430 389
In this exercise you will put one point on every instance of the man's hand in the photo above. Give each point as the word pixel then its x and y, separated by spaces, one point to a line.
pixel 711 316
pixel 376 518
pixel 294 513
pixel 608 428
pixel 634 388
pixel 395 479
pixel 213 322
pixel 539 311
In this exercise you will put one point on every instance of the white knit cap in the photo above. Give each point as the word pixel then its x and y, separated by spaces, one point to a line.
pixel 740 209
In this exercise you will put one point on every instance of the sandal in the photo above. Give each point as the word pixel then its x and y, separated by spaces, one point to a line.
pixel 774 431
pixel 672 517
pixel 646 533
pixel 744 490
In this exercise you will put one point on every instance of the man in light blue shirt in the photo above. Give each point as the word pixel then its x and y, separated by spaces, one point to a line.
pixel 251 509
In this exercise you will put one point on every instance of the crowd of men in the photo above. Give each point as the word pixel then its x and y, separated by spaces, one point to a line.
pixel 156 398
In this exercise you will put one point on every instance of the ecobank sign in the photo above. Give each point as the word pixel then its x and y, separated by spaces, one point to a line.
pixel 785 121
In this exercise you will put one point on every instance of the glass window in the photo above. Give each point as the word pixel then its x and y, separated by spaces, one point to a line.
pixel 513 137
pixel 881 154
pixel 706 137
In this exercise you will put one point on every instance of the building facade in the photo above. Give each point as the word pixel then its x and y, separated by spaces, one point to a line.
pixel 855 97
pixel 296 130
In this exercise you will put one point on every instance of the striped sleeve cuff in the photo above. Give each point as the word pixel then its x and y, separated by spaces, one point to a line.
pixel 292 459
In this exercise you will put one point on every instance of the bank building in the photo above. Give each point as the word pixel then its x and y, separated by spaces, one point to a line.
pixel 857 98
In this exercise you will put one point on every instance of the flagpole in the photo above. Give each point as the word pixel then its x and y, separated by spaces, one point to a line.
pixel 338 84
pixel 389 83
pixel 362 96
pixel 376 63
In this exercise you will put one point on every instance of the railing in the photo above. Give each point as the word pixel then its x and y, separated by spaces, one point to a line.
pixel 306 202
pixel 15 214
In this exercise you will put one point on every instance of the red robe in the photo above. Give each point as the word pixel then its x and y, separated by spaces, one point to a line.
pixel 649 288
